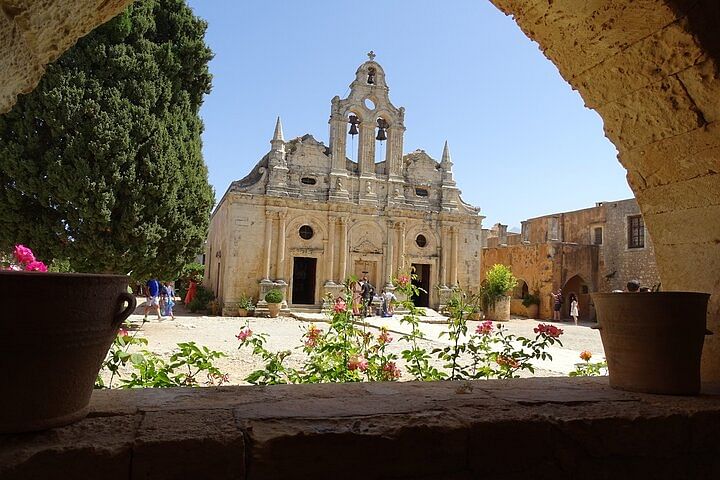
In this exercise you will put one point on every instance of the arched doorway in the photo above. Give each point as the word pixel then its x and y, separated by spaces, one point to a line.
pixel 581 289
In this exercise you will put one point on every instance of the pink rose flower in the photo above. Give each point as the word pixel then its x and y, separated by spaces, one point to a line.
pixel 23 254
pixel 403 280
pixel 244 334
pixel 549 330
pixel 36 266
pixel 357 362
pixel 391 371
pixel 485 328
pixel 340 306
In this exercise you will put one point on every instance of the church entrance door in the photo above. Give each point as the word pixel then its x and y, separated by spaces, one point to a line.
pixel 303 288
pixel 422 271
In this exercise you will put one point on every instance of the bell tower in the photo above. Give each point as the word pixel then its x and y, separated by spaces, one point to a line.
pixel 368 116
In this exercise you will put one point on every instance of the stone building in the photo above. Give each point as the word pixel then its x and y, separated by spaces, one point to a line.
pixel 595 249
pixel 308 216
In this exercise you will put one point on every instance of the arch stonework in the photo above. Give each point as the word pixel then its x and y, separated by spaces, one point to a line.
pixel 650 69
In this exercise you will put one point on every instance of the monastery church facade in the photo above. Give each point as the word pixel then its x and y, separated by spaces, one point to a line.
pixel 307 217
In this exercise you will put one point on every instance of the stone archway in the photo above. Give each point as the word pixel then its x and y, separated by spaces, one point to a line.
pixel 581 289
pixel 648 67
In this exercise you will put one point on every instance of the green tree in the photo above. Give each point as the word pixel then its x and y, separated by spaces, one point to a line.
pixel 101 164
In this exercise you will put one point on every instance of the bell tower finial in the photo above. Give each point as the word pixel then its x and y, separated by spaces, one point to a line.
pixel 371 55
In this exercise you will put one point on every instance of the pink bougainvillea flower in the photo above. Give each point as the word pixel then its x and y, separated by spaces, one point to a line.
pixel 549 330
pixel 340 306
pixel 485 328
pixel 586 355
pixel 36 266
pixel 384 336
pixel 391 370
pixel 403 280
pixel 122 333
pixel 244 334
pixel 24 255
pixel 357 362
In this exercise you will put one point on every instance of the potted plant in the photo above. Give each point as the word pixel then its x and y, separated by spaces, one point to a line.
pixel 215 306
pixel 245 305
pixel 531 302
pixel 499 281
pixel 653 340
pixel 274 300
pixel 65 337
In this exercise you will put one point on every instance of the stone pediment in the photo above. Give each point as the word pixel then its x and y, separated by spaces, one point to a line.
pixel 366 246
pixel 307 151
pixel 421 166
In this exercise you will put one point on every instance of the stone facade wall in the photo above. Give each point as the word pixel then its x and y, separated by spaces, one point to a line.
pixel 379 218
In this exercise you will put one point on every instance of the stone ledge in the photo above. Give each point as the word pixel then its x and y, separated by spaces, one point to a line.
pixel 525 428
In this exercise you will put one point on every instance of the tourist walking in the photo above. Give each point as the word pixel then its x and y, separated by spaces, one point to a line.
pixel 574 308
pixel 557 303
pixel 388 298
pixel 191 291
pixel 152 291
pixel 169 293
pixel 368 292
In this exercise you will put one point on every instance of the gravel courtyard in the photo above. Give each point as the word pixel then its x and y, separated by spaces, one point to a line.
pixel 284 333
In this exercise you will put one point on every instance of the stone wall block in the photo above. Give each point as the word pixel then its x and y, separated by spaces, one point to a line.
pixel 189 444
pixel 417 445
pixel 659 111
pixel 20 70
pixel 675 159
pixel 678 197
pixel 702 83
pixel 90 448
pixel 666 52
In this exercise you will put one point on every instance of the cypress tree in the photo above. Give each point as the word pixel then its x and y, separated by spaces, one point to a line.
pixel 101 164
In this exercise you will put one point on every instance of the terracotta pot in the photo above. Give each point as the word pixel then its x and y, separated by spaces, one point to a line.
pixel 274 309
pixel 55 330
pixel 242 312
pixel 532 310
pixel 500 311
pixel 653 341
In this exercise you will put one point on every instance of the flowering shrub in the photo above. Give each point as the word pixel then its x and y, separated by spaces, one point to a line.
pixel 343 353
pixel 348 352
pixel 22 259
pixel 587 368
pixel 182 369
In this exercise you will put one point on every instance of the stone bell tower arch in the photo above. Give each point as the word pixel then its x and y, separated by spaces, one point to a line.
pixel 369 101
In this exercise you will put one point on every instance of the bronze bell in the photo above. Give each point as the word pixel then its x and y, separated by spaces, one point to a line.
pixel 382 125
pixel 354 122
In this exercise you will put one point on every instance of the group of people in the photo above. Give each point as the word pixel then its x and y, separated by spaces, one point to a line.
pixel 632 286
pixel 363 295
pixel 160 298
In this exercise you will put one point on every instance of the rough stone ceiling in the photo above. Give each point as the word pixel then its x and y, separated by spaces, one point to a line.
pixel 33 33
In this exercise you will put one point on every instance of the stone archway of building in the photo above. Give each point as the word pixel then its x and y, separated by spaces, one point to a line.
pixel 577 286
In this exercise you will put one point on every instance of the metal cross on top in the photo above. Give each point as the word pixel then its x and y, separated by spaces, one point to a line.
pixel 371 55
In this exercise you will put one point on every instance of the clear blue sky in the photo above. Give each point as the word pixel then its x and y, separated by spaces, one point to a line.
pixel 522 142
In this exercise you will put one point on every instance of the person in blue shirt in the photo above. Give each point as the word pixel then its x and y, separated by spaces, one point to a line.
pixel 152 291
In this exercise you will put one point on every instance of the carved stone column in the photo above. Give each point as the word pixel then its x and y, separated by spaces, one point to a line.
pixel 268 244
pixel 330 253
pixel 280 266
pixel 389 254
pixel 343 248
pixel 401 243
pixel 455 234
pixel 444 247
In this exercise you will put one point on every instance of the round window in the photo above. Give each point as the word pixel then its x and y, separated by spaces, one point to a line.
pixel 421 241
pixel 306 232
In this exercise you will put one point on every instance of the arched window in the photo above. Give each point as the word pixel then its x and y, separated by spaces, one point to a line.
pixel 351 140
pixel 380 139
